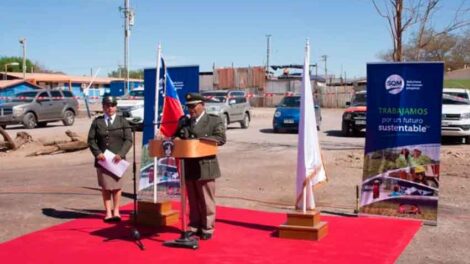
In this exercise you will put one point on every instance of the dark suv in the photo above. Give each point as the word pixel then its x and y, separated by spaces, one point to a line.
pixel 37 108
pixel 354 117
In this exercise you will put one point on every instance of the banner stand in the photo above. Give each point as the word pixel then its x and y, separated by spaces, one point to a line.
pixel 306 225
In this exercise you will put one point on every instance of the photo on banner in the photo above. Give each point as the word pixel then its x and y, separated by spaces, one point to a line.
pixel 403 138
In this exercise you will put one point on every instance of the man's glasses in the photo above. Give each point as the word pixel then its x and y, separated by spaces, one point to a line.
pixel 191 106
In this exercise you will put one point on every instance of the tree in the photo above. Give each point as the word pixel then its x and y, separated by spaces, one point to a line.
pixel 402 15
pixel 452 49
pixel 120 73
pixel 30 66
pixel 460 54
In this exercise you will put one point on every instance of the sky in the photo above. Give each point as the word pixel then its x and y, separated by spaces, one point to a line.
pixel 80 36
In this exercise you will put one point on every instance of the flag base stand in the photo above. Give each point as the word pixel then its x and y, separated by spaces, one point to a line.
pixel 156 214
pixel 185 241
pixel 301 225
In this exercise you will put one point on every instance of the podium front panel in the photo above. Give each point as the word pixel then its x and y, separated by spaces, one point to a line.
pixel 184 148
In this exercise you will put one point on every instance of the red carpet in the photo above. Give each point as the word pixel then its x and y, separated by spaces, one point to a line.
pixel 242 236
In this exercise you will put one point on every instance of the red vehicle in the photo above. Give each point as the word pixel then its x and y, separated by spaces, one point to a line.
pixel 354 117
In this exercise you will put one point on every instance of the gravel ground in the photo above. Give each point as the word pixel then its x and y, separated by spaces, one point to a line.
pixel 258 169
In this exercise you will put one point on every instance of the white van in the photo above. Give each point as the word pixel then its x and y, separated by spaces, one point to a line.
pixel 456 113
pixel 131 106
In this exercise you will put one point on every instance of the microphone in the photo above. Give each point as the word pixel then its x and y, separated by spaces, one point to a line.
pixel 185 130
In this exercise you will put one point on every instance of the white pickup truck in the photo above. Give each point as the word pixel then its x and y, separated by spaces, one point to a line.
pixel 131 106
pixel 456 113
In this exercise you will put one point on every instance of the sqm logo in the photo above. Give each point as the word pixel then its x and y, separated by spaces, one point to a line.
pixel 394 84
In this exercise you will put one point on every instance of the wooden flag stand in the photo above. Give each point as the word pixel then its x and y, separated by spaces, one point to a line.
pixel 302 225
pixel 156 214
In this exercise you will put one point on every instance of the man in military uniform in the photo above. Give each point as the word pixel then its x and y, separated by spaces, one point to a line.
pixel 200 173
pixel 110 132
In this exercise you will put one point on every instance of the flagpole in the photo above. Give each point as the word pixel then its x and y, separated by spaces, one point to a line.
pixel 155 119
pixel 306 63
pixel 309 169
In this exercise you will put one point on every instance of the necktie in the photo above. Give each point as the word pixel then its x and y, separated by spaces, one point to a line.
pixel 108 122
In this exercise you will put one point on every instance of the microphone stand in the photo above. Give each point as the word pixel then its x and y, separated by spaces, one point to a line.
pixel 134 232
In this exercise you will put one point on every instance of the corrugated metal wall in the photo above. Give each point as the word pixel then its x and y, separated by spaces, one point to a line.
pixel 268 93
pixel 206 82
pixel 335 96
pixel 239 78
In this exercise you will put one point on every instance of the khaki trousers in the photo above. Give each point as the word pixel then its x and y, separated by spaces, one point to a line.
pixel 201 197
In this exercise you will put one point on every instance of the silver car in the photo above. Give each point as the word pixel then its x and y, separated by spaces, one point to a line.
pixel 37 108
pixel 231 105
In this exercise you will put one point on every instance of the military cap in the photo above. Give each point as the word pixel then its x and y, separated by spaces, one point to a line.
pixel 109 99
pixel 194 98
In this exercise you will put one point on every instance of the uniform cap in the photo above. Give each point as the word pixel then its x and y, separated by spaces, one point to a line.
pixel 194 98
pixel 109 99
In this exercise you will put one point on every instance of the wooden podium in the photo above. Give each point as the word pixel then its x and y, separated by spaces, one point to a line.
pixel 306 225
pixel 183 149
pixel 161 213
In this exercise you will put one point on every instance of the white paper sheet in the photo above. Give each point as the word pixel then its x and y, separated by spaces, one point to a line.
pixel 117 169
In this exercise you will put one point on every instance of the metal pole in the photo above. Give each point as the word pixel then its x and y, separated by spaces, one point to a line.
pixel 126 44
pixel 183 196
pixel 268 51
pixel 155 119
pixel 325 58
pixel 23 43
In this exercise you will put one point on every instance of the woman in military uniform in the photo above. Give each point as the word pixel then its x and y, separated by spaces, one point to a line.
pixel 110 132
pixel 200 173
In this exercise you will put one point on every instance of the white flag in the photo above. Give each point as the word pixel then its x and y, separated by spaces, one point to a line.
pixel 310 170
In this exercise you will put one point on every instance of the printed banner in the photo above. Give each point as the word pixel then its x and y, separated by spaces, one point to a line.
pixel 185 80
pixel 403 136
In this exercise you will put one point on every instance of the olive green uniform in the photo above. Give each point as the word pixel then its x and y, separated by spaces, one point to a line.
pixel 200 173
pixel 117 138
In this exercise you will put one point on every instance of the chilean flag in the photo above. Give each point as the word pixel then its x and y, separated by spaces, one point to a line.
pixel 172 110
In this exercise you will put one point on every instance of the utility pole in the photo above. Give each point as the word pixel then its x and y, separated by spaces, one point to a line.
pixel 325 58
pixel 341 75
pixel 268 51
pixel 128 23
pixel 23 44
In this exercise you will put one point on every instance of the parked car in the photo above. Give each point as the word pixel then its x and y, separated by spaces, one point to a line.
pixel 231 105
pixel 131 106
pixel 456 113
pixel 354 117
pixel 287 114
pixel 39 107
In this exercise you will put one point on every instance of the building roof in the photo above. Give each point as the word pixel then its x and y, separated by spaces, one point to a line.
pixel 55 77
pixel 9 83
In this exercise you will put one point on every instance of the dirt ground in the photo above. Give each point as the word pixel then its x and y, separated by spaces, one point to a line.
pixel 258 169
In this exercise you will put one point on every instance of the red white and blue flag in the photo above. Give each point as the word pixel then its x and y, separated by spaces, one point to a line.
pixel 172 109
